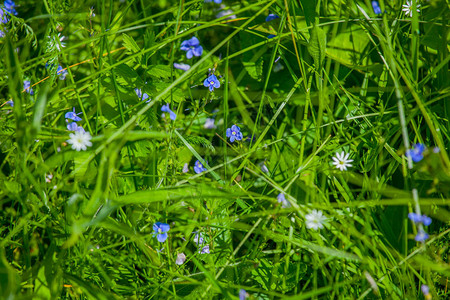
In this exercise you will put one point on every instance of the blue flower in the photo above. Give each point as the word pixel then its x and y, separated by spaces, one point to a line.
pixel 27 87
pixel 205 250
pixel 270 36
pixel 62 73
pixel 271 17
pixel 376 7
pixel 242 294
pixel 421 236
pixel 73 116
pixel 282 199
pixel 425 290
pixel 198 167
pixel 199 238
pixel 234 133
pixel 192 47
pixel 74 127
pixel 10 102
pixel 165 108
pixel 183 67
pixel 215 1
pixel 211 82
pixel 160 230
pixel 141 96
pixel 10 7
pixel 416 152
pixel 425 220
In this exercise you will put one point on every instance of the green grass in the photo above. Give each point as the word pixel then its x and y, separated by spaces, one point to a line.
pixel 335 77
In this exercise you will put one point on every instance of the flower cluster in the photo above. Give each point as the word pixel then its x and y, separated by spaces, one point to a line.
pixel 81 139
pixel 420 219
pixel 142 96
pixel 9 7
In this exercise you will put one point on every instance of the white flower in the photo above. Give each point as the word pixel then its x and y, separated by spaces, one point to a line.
pixel 408 9
pixel 315 220
pixel 80 140
pixel 181 258
pixel 341 161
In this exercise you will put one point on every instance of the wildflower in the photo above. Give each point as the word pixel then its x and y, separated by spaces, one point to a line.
pixel 73 116
pixel 27 87
pixel 407 8
pixel 426 291
pixel 416 153
pixel 181 258
pixel 341 161
pixel 242 294
pixel 142 96
pixel 270 36
pixel 212 82
pixel 183 67
pixel 271 17
pixel 198 167
pixel 160 230
pixel 282 199
pixel 62 73
pixel 215 1
pixel 192 47
pixel 264 168
pixel 205 250
pixel 48 178
pixel 209 124
pixel 315 220
pixel 80 140
pixel 278 67
pixel 425 220
pixel 165 108
pixel 186 168
pixel 74 127
pixel 234 133
pixel 421 236
pixel 10 7
pixel 199 238
pixel 10 102
pixel 226 13
pixel 376 7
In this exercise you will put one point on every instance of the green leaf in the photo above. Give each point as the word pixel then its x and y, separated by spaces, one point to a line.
pixel 254 69
pixel 130 43
pixel 160 71
pixel 317 46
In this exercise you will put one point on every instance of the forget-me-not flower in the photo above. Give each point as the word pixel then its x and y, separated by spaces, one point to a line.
pixel 424 219
pixel 234 133
pixel 165 108
pixel 209 124
pixel 27 87
pixel 242 294
pixel 212 82
pixel 183 67
pixel 62 73
pixel 160 230
pixel 282 199
pixel 416 152
pixel 192 47
pixel 376 7
pixel 198 167
pixel 73 116
pixel 421 236
pixel 271 17
pixel 215 1
pixel 142 96
pixel 205 250
pixel 74 127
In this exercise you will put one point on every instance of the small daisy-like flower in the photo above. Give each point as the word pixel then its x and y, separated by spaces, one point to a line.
pixel 27 87
pixel 242 294
pixel 73 116
pixel 376 7
pixel 416 152
pixel 183 67
pixel 315 220
pixel 62 73
pixel 198 167
pixel 80 140
pixel 424 219
pixel 421 236
pixel 282 199
pixel 341 161
pixel 165 108
pixel 234 133
pixel 181 258
pixel 74 127
pixel 212 82
pixel 205 250
pixel 209 124
pixel 160 230
pixel 271 17
pixel 192 47
pixel 408 9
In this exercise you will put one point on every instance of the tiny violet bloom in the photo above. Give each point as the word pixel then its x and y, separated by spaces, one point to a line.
pixel 425 291
pixel 10 7
pixel 160 230
pixel 242 294
pixel 142 96
pixel 215 1
pixel 425 220
pixel 165 108
pixel 271 17
pixel 282 199
pixel 74 127
pixel 183 67
pixel 234 133
pixel 407 8
pixel 73 116
pixel 80 140
pixel 62 73
pixel 315 220
pixel 198 167
pixel 199 238
pixel 181 258
pixel 416 152
pixel 421 236
pixel 264 168
pixel 209 124
pixel 192 47
pixel 27 87
pixel 10 103
pixel 205 250
pixel 341 161
pixel 212 82
pixel 376 7
pixel 186 168
pixel 228 13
